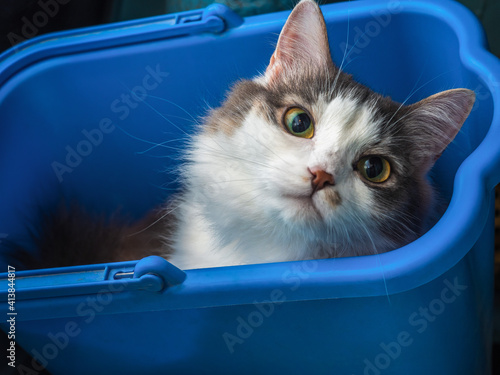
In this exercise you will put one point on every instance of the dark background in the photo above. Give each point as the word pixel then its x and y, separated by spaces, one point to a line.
pixel 70 14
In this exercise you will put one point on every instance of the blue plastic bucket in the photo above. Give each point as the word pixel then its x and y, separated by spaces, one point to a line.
pixel 82 111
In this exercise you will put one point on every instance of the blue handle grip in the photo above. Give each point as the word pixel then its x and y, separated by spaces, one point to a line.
pixel 214 19
pixel 151 274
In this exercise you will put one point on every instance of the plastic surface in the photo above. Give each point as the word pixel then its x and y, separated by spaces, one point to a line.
pixel 102 114
pixel 151 274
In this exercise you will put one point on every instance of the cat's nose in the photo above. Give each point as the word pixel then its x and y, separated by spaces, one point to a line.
pixel 320 179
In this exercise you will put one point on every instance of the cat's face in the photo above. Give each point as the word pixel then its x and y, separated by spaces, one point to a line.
pixel 307 154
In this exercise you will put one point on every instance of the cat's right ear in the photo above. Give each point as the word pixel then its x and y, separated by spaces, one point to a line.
pixel 302 44
pixel 435 121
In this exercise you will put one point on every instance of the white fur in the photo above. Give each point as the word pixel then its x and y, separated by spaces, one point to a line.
pixel 247 199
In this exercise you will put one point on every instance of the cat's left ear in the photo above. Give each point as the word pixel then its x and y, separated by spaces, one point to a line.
pixel 302 44
pixel 436 120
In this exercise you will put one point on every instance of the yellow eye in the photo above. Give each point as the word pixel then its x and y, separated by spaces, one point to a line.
pixel 299 123
pixel 374 168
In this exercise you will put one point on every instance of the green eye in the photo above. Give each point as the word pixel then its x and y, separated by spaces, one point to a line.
pixel 374 168
pixel 299 123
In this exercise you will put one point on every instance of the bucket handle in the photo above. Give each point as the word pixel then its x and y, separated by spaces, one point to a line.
pixel 150 274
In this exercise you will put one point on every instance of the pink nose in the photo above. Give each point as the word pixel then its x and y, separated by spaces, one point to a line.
pixel 320 179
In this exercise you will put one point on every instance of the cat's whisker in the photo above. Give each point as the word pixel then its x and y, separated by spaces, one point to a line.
pixel 376 253
pixel 392 125
pixel 196 121
pixel 155 144
pixel 219 183
pixel 163 145
pixel 253 197
pixel 362 226
pixel 189 121
pixel 346 54
pixel 414 91
pixel 166 119
pixel 351 61
pixel 217 153
pixel 168 156
pixel 400 218
pixel 163 216
pixel 165 188
pixel 345 236
pixel 200 142
pixel 160 114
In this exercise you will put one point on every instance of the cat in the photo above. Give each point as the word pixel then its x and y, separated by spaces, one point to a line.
pixel 302 162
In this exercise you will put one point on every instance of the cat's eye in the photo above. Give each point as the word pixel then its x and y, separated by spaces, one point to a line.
pixel 374 168
pixel 298 122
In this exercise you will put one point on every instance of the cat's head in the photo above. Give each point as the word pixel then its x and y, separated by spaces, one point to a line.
pixel 305 153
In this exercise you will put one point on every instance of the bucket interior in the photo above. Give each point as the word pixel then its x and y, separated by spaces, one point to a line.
pixel 107 127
